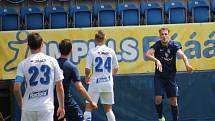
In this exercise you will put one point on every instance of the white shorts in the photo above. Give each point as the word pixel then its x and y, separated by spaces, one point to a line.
pixel 105 97
pixel 45 115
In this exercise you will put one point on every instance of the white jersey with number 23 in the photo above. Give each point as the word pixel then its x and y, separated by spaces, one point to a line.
pixel 40 73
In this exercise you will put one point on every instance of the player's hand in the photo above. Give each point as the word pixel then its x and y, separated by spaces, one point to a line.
pixel 189 68
pixel 87 79
pixel 94 105
pixel 60 113
pixel 158 65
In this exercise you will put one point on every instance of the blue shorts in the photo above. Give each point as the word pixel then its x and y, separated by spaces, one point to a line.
pixel 72 111
pixel 168 86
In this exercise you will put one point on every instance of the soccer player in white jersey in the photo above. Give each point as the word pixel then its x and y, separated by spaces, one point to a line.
pixel 103 62
pixel 40 74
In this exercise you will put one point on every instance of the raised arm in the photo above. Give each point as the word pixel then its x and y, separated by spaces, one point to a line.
pixel 186 62
pixel 150 56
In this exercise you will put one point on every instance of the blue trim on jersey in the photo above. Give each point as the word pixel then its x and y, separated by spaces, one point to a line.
pixel 19 79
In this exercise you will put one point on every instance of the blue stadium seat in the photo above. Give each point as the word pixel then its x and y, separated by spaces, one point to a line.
pixel 33 17
pixel 105 14
pixel 15 1
pixel 199 11
pixel 9 19
pixel 63 0
pixel 81 16
pixel 212 5
pixel 39 1
pixel 1 11
pixel 57 17
pixel 152 13
pixel 129 14
pixel 176 12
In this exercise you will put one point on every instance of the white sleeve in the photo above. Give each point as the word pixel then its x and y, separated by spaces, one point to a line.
pixel 58 73
pixel 115 60
pixel 89 60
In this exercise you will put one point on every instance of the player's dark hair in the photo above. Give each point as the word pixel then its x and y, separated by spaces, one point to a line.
pixel 34 40
pixel 65 47
pixel 100 36
pixel 164 28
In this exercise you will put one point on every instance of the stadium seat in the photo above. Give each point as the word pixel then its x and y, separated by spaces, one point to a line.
pixel 9 19
pixel 199 11
pixel 63 0
pixel 81 16
pixel 39 1
pixel 105 14
pixel 152 13
pixel 33 17
pixel 15 1
pixel 57 17
pixel 1 11
pixel 176 12
pixel 212 5
pixel 129 14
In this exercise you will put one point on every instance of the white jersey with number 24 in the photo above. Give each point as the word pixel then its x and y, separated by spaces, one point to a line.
pixel 101 60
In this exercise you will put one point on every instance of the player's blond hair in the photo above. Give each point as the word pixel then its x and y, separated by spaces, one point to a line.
pixel 164 28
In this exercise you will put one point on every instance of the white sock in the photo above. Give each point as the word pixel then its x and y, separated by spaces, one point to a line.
pixel 87 116
pixel 110 116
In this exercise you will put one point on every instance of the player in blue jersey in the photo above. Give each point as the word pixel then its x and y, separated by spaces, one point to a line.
pixel 103 61
pixel 71 73
pixel 163 53
pixel 40 74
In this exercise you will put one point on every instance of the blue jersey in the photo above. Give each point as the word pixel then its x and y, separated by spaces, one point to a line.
pixel 70 73
pixel 72 109
pixel 167 56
